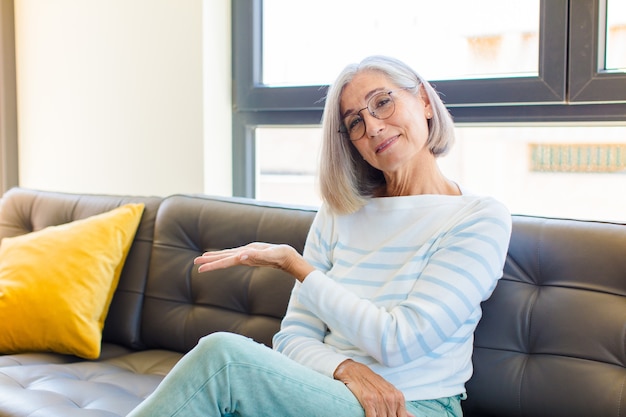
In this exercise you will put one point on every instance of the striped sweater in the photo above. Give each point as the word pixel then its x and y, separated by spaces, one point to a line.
pixel 398 286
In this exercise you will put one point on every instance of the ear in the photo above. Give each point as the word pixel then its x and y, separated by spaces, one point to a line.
pixel 428 111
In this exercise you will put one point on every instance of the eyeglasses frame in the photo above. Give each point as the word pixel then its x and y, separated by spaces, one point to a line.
pixel 344 130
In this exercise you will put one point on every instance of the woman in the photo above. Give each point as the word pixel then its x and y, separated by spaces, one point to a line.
pixel 388 292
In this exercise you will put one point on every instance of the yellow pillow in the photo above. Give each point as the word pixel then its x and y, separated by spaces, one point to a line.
pixel 56 284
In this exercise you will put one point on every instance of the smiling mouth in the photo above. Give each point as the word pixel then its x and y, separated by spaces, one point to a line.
pixel 386 144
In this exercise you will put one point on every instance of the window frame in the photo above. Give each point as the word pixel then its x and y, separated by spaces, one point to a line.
pixel 589 82
pixel 568 88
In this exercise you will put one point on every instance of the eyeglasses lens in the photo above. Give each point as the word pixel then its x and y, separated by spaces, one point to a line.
pixel 380 106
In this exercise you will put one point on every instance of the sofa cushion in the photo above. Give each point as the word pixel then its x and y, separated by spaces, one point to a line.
pixel 107 351
pixel 56 284
pixel 183 305
pixel 24 211
pixel 105 388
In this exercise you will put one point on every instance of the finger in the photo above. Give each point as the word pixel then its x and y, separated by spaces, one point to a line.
pixel 391 402
pixel 399 406
pixel 216 255
pixel 401 412
pixel 205 259
pixel 370 411
pixel 222 252
pixel 221 263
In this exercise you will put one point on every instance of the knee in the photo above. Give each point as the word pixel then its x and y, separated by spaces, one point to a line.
pixel 222 342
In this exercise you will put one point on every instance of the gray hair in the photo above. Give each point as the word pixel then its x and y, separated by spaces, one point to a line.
pixel 346 179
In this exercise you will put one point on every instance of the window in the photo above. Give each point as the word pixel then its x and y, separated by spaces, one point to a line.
pixel 286 161
pixel 592 42
pixel 508 112
pixel 615 57
pixel 559 170
pixel 547 85
pixel 474 47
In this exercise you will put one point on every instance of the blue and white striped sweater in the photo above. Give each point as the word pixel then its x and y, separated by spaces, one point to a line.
pixel 398 286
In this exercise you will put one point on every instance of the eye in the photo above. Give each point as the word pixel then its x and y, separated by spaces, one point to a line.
pixel 352 123
pixel 381 101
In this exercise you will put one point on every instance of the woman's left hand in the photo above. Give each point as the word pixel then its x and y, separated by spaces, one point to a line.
pixel 256 254
pixel 377 396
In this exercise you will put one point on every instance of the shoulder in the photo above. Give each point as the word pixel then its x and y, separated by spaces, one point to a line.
pixel 486 215
pixel 490 206
pixel 485 203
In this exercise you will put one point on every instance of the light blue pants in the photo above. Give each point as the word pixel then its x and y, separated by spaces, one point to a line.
pixel 230 375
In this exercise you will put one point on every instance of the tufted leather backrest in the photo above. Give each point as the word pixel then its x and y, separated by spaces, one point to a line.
pixel 23 211
pixel 183 305
pixel 552 340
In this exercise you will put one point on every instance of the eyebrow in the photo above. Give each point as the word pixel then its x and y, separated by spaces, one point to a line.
pixel 367 97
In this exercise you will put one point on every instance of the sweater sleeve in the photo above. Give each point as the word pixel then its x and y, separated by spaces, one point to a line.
pixel 302 333
pixel 443 306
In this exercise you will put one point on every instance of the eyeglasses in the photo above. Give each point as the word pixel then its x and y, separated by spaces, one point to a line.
pixel 380 106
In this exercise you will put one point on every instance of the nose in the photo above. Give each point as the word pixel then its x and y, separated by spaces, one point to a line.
pixel 373 125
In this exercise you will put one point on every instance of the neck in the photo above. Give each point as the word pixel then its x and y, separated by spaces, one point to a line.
pixel 427 179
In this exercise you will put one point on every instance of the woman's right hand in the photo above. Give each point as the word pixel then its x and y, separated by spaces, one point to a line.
pixel 256 254
pixel 377 396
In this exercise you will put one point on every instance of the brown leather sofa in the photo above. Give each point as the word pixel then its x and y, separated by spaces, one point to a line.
pixel 552 341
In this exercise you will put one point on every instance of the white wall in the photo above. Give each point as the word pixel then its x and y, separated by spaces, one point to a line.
pixel 218 155
pixel 111 95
